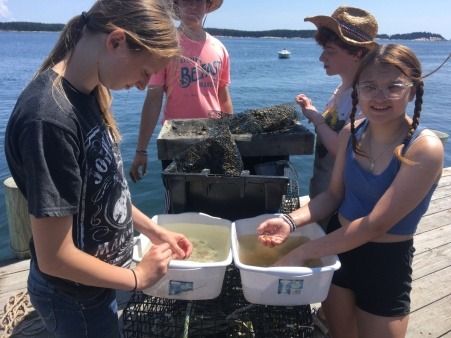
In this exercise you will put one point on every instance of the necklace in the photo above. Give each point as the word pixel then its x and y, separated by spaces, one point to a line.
pixel 370 156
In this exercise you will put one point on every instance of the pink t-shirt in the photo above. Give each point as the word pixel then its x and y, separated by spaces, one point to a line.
pixel 192 83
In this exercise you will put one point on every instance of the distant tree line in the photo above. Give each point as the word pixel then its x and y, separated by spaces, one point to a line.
pixel 284 33
pixel 31 26
pixel 276 33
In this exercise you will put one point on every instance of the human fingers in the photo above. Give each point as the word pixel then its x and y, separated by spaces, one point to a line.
pixel 134 173
pixel 270 226
pixel 144 168
pixel 185 248
pixel 153 265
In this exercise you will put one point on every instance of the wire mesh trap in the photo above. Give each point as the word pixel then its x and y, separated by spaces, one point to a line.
pixel 218 153
pixel 278 118
pixel 273 119
pixel 290 201
pixel 229 315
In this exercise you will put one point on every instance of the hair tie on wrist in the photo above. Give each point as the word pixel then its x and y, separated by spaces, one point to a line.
pixel 136 280
pixel 318 124
pixel 142 152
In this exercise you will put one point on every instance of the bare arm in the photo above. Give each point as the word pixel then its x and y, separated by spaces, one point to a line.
pixel 149 118
pixel 328 136
pixel 318 208
pixel 180 245
pixel 58 256
pixel 409 187
pixel 225 100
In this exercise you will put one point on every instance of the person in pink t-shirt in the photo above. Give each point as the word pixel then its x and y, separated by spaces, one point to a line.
pixel 195 85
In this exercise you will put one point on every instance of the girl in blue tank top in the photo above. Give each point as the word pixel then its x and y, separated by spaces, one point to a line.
pixel 385 173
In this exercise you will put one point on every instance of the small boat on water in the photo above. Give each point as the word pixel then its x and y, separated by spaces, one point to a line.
pixel 284 54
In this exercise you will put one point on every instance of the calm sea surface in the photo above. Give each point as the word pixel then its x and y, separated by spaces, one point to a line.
pixel 259 79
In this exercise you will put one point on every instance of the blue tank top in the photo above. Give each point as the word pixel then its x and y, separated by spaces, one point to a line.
pixel 363 189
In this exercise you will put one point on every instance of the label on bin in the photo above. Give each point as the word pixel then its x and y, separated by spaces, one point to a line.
pixel 178 287
pixel 290 286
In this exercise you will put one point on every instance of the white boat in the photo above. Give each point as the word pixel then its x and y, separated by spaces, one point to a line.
pixel 284 54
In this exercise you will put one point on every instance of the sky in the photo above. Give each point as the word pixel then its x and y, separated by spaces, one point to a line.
pixel 394 16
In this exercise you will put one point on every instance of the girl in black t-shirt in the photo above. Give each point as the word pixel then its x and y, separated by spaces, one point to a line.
pixel 62 150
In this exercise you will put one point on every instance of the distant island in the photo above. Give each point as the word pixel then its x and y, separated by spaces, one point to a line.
pixel 274 33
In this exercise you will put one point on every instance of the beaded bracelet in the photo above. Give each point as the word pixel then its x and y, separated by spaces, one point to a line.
pixel 136 280
pixel 141 152
pixel 289 220
pixel 292 222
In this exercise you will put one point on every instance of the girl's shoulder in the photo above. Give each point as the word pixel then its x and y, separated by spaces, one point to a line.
pixel 426 138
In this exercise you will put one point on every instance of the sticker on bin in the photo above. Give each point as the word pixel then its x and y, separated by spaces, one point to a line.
pixel 290 286
pixel 279 285
pixel 179 287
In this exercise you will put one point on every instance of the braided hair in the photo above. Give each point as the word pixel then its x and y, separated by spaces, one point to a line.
pixel 408 64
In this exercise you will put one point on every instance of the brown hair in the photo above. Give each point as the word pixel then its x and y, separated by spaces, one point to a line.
pixel 148 25
pixel 405 60
pixel 324 35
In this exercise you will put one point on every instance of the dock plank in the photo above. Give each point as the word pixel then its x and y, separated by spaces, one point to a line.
pixel 431 287
pixel 431 321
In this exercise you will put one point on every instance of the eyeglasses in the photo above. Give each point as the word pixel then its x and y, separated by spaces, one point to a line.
pixel 392 92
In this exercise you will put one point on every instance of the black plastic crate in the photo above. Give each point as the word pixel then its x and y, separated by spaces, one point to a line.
pixel 229 197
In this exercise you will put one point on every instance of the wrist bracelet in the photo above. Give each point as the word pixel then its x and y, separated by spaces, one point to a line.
pixel 142 152
pixel 292 222
pixel 318 124
pixel 136 280
pixel 289 220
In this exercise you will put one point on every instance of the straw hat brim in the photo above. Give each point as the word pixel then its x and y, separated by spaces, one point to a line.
pixel 332 24
pixel 215 4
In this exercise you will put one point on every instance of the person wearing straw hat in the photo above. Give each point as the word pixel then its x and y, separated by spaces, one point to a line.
pixel 195 86
pixel 346 37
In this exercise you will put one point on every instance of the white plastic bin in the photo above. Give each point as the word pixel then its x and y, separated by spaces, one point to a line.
pixel 190 280
pixel 284 286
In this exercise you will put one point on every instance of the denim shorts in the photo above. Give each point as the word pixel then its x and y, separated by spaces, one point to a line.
pixel 66 317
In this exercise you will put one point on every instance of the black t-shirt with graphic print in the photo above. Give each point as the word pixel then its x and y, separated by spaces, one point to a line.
pixel 65 162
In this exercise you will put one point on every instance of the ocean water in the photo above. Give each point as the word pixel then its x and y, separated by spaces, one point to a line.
pixel 259 79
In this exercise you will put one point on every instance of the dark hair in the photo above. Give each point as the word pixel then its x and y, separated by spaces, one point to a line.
pixel 406 61
pixel 147 24
pixel 324 35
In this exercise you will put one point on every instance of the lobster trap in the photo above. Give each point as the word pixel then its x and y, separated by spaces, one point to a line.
pixel 228 315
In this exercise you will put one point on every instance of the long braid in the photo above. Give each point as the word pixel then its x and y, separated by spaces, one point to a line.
pixel 415 122
pixel 355 142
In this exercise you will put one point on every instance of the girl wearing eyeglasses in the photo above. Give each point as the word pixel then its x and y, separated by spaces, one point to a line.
pixel 386 171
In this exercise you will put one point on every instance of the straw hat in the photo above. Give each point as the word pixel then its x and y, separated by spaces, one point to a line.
pixel 353 25
pixel 215 4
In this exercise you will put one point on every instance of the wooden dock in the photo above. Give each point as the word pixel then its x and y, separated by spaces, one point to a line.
pixel 431 294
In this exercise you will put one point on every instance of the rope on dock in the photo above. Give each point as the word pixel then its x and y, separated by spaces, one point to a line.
pixel 15 311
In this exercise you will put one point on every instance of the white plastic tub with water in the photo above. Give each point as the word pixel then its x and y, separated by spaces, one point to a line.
pixel 284 286
pixel 191 280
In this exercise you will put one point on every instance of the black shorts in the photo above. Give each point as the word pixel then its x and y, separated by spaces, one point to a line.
pixel 379 274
